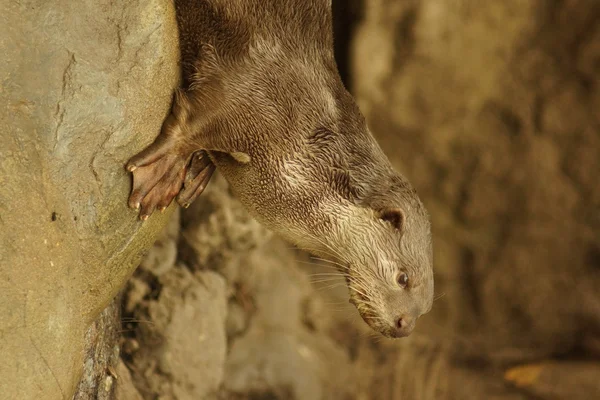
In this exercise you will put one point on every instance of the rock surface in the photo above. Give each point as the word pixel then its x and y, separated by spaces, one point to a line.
pixel 84 85
pixel 174 325
pixel 102 355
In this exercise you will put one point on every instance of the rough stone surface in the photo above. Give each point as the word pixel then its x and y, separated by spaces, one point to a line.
pixel 125 389
pixel 216 231
pixel 181 353
pixel 174 324
pixel 84 85
pixel 102 355
pixel 279 352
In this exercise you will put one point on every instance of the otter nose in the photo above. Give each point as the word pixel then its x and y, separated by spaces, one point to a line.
pixel 404 325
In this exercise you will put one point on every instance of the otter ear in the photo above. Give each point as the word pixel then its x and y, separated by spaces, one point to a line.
pixel 394 216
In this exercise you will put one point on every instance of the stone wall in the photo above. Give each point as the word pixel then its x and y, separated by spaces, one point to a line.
pixel 83 86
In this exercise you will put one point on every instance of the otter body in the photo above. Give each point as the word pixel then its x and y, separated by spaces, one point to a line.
pixel 263 102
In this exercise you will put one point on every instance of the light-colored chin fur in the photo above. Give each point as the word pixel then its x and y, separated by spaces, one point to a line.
pixel 342 246
pixel 368 313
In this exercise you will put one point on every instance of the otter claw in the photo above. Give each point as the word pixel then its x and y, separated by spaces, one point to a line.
pixel 157 182
pixel 198 175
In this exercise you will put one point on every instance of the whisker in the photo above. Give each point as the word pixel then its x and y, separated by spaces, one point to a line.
pixel 329 274
pixel 345 304
pixel 439 296
pixel 326 278
pixel 328 287
pixel 332 262
pixel 361 284
pixel 145 321
pixel 328 281
pixel 312 251
pixel 358 291
pixel 317 279
pixel 322 266
pixel 336 252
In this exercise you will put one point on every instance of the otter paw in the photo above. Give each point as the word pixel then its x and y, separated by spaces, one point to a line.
pixel 158 174
pixel 198 174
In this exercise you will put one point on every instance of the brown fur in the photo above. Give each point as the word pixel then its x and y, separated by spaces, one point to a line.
pixel 263 98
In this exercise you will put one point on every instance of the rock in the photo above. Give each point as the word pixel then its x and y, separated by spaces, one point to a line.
pixel 125 390
pixel 266 360
pixel 183 342
pixel 101 355
pixel 137 290
pixel 278 354
pixel 85 85
pixel 216 230
pixel 237 320
pixel 162 256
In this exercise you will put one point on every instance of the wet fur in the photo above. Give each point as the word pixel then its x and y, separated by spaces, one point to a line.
pixel 262 95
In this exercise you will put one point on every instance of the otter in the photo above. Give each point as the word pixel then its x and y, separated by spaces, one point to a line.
pixel 262 101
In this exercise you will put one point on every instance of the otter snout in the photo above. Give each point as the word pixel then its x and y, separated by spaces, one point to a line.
pixel 404 325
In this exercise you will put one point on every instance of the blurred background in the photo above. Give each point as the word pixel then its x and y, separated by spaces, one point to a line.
pixel 492 110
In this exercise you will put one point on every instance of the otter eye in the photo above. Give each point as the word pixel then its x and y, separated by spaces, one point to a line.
pixel 402 279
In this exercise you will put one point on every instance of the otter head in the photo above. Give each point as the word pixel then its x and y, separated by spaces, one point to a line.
pixel 387 261
pixel 391 279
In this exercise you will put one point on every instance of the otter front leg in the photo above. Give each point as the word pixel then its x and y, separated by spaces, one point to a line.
pixel 170 163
